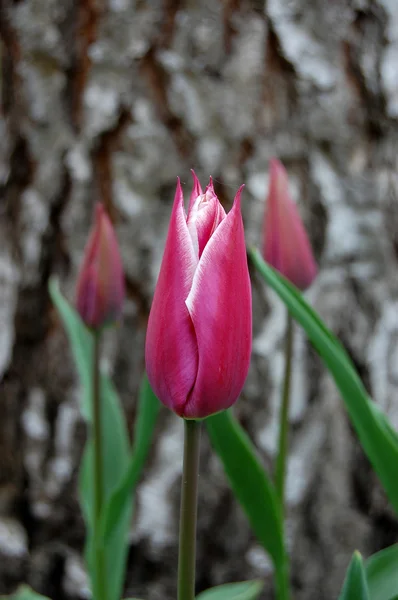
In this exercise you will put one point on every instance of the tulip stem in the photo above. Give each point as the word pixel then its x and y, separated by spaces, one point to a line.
pixel 282 574
pixel 282 581
pixel 97 466
pixel 281 460
pixel 188 511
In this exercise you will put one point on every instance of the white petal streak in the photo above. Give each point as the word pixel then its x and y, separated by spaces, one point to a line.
pixel 219 238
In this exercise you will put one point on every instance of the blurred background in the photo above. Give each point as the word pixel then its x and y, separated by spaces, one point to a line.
pixel 112 100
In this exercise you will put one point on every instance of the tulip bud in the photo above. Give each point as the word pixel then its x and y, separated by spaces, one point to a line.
pixel 286 245
pixel 199 334
pixel 100 286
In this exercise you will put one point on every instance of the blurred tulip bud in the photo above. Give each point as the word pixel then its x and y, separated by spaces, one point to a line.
pixel 199 334
pixel 100 287
pixel 286 245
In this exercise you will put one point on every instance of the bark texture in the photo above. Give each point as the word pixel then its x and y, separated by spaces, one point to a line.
pixel 111 100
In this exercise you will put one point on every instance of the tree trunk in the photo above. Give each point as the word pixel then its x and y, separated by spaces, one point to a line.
pixel 111 101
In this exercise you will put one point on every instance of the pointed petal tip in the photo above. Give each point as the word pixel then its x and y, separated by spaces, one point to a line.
pixel 210 186
pixel 196 190
pixel 179 193
pixel 99 211
pixel 196 183
pixel 277 170
pixel 178 203
pixel 238 196
pixel 275 163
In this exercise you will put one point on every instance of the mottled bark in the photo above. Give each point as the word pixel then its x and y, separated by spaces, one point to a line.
pixel 112 100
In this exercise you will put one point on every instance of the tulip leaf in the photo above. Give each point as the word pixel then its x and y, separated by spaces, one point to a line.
pixel 378 438
pixel 355 586
pixel 115 457
pixel 250 483
pixel 24 592
pixel 382 574
pixel 246 590
pixel 147 413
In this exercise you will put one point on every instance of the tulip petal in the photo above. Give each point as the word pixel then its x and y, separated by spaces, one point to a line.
pixel 220 307
pixel 100 287
pixel 87 298
pixel 204 217
pixel 110 273
pixel 196 190
pixel 286 244
pixel 171 349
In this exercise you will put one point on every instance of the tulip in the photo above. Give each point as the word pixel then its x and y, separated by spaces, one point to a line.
pixel 286 245
pixel 100 287
pixel 198 341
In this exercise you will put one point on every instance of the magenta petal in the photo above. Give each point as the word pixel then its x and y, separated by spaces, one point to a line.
pixel 100 287
pixel 171 349
pixel 286 244
pixel 220 307
pixel 204 217
pixel 196 190
pixel 88 302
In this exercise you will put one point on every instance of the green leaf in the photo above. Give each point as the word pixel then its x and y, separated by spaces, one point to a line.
pixel 81 344
pixel 24 592
pixel 382 574
pixel 147 413
pixel 116 454
pixel 355 586
pixel 376 435
pixel 250 483
pixel 246 590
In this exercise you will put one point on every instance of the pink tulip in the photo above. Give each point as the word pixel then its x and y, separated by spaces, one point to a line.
pixel 100 287
pixel 286 245
pixel 200 327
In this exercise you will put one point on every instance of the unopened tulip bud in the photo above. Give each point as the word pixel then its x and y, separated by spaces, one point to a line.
pixel 100 287
pixel 199 334
pixel 286 245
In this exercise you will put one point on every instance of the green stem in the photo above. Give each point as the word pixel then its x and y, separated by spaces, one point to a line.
pixel 282 581
pixel 98 479
pixel 282 573
pixel 188 511
pixel 281 460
